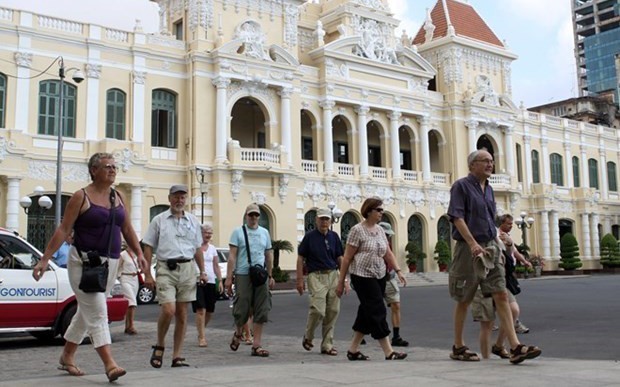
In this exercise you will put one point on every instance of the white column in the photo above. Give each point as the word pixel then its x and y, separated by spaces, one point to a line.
pixel 139 105
pixel 22 95
pixel 607 225
pixel 544 234
pixel 555 234
pixel 136 209
pixel 424 151
pixel 510 162
pixel 362 139
pixel 12 203
pixel 221 120
pixel 527 146
pixel 92 103
pixel 328 146
pixel 472 125
pixel 568 166
pixel 585 236
pixel 395 143
pixel 544 158
pixel 585 177
pixel 596 249
pixel 285 121
pixel 602 168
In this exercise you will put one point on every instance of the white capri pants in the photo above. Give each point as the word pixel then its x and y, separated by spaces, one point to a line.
pixel 91 317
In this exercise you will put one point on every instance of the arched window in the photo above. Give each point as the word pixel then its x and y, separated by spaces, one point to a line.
pixel 611 176
pixel 49 103
pixel 115 114
pixel 576 179
pixel 2 100
pixel 557 171
pixel 163 119
pixel 593 171
pixel 310 221
pixel 535 167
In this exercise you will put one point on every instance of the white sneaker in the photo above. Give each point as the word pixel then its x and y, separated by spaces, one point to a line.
pixel 520 328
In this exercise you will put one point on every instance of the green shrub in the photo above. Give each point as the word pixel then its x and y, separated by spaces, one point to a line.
pixel 414 253
pixel 610 253
pixel 569 253
pixel 442 253
pixel 279 275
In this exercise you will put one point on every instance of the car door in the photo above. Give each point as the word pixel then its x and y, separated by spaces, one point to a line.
pixel 24 302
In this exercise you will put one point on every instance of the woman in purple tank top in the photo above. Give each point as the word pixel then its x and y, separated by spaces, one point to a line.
pixel 88 214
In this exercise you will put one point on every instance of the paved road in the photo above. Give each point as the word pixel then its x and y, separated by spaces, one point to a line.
pixel 570 318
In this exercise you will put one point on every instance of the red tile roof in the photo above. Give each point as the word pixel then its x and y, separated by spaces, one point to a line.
pixel 464 19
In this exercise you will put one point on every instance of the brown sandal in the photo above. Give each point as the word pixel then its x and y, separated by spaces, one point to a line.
pixel 500 351
pixel 396 356
pixel 179 362
pixel 330 352
pixel 522 352
pixel 463 354
pixel 260 352
pixel 307 344
pixel 236 340
pixel 156 360
pixel 71 369
pixel 115 373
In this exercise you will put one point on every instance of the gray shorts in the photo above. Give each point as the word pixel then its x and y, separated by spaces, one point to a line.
pixel 482 307
pixel 463 282
pixel 392 292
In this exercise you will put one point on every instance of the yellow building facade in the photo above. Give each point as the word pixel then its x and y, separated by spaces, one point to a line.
pixel 295 106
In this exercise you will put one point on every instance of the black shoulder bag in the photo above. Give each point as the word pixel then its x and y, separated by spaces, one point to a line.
pixel 94 272
pixel 512 284
pixel 258 273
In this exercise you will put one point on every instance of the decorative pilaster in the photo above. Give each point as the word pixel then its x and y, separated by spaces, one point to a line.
pixel 93 73
pixel 424 150
pixel 23 60
pixel 527 146
pixel 471 125
pixel 568 166
pixel 285 121
pixel 602 170
pixel 585 181
pixel 139 100
pixel 585 236
pixel 544 161
pixel 221 83
pixel 136 208
pixel 509 150
pixel 555 235
pixel 328 150
pixel 544 233
pixel 362 136
pixel 395 144
pixel 12 203
pixel 596 248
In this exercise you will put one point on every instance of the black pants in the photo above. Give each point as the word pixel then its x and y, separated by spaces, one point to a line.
pixel 371 314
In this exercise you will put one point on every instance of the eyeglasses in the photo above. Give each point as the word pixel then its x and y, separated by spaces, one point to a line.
pixel 379 209
pixel 110 167
pixel 254 215
pixel 486 161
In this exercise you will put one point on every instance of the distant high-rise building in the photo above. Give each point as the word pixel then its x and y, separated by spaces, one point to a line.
pixel 596 25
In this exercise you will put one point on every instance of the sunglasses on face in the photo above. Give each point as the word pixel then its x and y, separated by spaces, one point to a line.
pixel 378 209
pixel 254 215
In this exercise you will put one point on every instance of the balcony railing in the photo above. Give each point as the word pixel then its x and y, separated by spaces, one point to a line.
pixel 255 157
pixel 440 178
pixel 344 170
pixel 310 167
pixel 379 173
pixel 412 176
pixel 499 180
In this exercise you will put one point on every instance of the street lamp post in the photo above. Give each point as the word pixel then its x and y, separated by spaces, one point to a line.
pixel 203 190
pixel 524 224
pixel 78 77
pixel 45 203
pixel 336 213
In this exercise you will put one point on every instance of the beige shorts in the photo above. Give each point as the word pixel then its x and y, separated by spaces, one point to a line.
pixel 392 292
pixel 482 308
pixel 463 282
pixel 177 285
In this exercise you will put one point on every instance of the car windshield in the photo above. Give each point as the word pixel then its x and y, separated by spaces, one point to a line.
pixel 15 254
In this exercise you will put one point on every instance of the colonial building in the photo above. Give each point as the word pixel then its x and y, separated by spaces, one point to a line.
pixel 294 105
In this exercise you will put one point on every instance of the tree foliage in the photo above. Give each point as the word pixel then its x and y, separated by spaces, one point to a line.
pixel 569 252
pixel 442 253
pixel 414 253
pixel 610 253
pixel 278 245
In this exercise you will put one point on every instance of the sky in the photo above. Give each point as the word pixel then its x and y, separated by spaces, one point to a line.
pixel 538 31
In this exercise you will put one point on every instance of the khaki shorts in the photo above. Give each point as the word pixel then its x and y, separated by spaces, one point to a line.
pixel 250 301
pixel 177 285
pixel 482 308
pixel 463 282
pixel 392 292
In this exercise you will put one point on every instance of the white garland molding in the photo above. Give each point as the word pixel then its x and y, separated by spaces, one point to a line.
pixel 283 190
pixel 46 171
pixel 5 145
pixel 23 59
pixel 236 180
pixel 124 157
pixel 258 197
pixel 314 191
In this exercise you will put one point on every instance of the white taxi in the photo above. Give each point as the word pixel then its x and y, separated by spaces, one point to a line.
pixel 44 308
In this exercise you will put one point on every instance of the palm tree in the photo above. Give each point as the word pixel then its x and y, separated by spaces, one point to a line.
pixel 277 246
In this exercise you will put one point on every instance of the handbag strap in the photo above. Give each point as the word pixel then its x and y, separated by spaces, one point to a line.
pixel 247 244
pixel 113 216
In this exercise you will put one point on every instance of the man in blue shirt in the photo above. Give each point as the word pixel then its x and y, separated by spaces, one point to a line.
pixel 321 252
pixel 472 210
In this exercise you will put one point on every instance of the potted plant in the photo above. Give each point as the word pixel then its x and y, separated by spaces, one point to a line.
pixel 277 245
pixel 610 253
pixel 442 255
pixel 415 255
pixel 538 263
pixel 569 253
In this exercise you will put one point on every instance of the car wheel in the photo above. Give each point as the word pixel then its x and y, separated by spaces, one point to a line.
pixel 66 319
pixel 145 295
